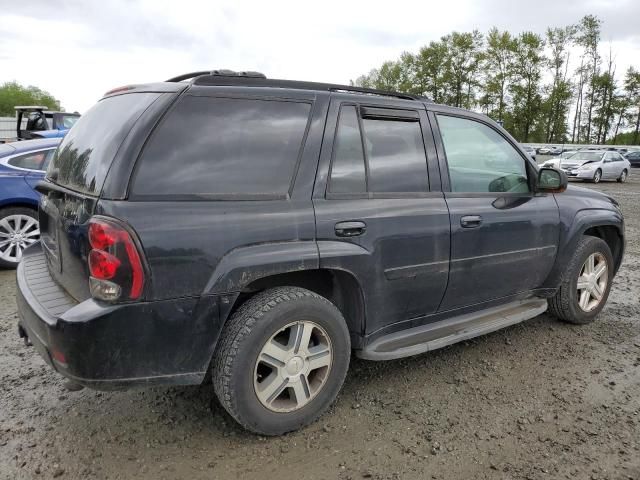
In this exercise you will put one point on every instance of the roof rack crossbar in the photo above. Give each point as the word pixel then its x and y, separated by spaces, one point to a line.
pixel 217 73
pixel 207 78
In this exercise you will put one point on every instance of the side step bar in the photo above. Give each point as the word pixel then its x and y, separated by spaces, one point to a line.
pixel 440 334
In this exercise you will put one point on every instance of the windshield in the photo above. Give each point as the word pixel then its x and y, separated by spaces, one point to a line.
pixel 82 160
pixel 587 156
pixel 68 120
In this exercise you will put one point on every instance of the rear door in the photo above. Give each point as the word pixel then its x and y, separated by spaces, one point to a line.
pixel 380 214
pixel 503 236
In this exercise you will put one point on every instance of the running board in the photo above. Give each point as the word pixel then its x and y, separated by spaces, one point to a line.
pixel 432 336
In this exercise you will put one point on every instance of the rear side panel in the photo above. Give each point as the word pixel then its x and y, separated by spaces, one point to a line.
pixel 106 135
pixel 194 243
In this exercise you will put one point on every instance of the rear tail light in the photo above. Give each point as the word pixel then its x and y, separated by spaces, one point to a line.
pixel 115 266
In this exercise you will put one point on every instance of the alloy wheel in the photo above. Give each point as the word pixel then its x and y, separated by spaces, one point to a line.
pixel 17 232
pixel 592 282
pixel 293 366
pixel 597 176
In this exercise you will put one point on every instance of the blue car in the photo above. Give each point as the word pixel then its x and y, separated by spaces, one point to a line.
pixel 22 165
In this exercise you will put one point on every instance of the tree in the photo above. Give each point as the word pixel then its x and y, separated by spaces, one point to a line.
pixel 463 61
pixel 589 38
pixel 13 94
pixel 559 93
pixel 526 86
pixel 431 67
pixel 632 93
pixel 498 62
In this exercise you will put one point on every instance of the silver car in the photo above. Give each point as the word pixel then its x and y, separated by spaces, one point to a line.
pixel 596 165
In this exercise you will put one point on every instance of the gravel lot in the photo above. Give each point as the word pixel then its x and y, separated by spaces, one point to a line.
pixel 539 400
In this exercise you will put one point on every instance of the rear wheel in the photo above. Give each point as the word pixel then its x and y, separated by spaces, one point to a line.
pixel 623 176
pixel 281 360
pixel 597 176
pixel 18 229
pixel 586 283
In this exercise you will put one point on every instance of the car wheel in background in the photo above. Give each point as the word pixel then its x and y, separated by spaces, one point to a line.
pixel 597 176
pixel 18 230
pixel 586 283
pixel 281 360
pixel 623 176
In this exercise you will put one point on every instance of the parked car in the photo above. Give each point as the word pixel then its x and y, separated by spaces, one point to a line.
pixel 544 150
pixel 555 162
pixel 305 221
pixel 633 158
pixel 22 165
pixel 43 123
pixel 596 165
pixel 530 150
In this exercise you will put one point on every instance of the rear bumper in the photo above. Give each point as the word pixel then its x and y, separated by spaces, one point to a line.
pixel 110 347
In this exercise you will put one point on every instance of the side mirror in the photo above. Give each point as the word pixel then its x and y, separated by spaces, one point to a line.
pixel 552 180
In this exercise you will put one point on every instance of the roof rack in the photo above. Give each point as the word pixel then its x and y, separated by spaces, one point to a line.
pixel 257 79
pixel 217 73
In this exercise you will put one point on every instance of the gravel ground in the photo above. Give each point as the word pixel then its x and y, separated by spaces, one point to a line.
pixel 539 400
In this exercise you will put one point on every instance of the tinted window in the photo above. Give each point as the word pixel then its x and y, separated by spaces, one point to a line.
pixel 87 151
pixel 32 161
pixel 224 146
pixel 396 155
pixel 480 159
pixel 347 171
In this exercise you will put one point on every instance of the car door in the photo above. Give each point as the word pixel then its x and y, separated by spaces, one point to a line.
pixel 609 166
pixel 380 214
pixel 504 237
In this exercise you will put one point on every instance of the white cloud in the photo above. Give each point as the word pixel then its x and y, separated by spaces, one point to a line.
pixel 89 47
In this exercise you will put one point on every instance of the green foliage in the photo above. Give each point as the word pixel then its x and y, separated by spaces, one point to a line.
pixel 523 81
pixel 12 94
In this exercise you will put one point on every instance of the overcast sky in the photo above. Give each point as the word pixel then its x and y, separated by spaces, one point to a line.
pixel 79 49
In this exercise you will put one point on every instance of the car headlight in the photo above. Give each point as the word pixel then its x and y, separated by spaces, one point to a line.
pixel 589 166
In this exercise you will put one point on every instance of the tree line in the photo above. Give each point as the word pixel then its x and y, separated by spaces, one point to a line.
pixel 13 94
pixel 528 82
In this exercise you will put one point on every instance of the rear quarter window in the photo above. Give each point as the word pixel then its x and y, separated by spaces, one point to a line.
pixel 83 158
pixel 213 146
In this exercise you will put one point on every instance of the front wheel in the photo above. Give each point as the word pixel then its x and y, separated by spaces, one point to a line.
pixel 623 176
pixel 597 176
pixel 281 360
pixel 586 283
pixel 18 229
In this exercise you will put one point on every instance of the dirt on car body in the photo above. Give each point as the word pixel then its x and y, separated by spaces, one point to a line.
pixel 541 399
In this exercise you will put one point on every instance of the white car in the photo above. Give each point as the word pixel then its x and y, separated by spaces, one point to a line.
pixel 596 165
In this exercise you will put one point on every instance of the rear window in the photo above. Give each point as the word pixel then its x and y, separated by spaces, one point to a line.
pixel 87 151
pixel 212 146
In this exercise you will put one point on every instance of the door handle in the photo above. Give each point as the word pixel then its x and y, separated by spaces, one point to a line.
pixel 470 221
pixel 350 229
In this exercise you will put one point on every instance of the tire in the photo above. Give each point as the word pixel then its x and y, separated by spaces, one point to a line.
pixel 11 252
pixel 239 372
pixel 623 176
pixel 597 176
pixel 565 305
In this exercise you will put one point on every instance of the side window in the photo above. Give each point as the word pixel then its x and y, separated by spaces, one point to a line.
pixel 47 159
pixel 397 159
pixel 393 151
pixel 480 159
pixel 32 161
pixel 224 146
pixel 347 170
pixel 36 122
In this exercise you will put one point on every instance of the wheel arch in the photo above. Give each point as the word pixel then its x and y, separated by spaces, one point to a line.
pixel 602 223
pixel 338 286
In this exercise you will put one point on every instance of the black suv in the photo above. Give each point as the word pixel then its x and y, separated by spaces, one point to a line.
pixel 255 232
